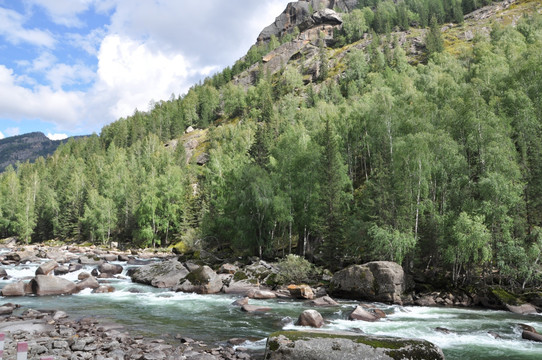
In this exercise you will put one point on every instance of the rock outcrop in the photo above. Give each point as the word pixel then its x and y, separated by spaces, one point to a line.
pixel 319 345
pixel 304 15
pixel 375 281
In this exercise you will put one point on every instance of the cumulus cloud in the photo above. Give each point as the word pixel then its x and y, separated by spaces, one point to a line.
pixel 56 136
pixel 11 27
pixel 130 74
pixel 1 135
pixel 41 102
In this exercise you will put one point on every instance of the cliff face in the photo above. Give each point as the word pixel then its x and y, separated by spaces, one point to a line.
pixel 26 147
pixel 298 14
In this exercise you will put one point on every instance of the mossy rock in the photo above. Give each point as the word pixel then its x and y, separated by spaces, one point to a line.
pixel 179 248
pixel 505 297
pixel 318 345
pixel 239 275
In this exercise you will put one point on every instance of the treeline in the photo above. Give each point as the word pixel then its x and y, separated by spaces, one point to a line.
pixel 435 165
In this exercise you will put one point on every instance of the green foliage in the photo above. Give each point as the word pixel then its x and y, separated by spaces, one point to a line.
pixel 294 269
pixel 437 164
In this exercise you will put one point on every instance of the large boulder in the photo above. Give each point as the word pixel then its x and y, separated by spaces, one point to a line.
pixel 324 301
pixel 375 281
pixel 322 345
pixel 108 268
pixel 359 313
pixel 46 268
pixel 166 274
pixel 310 318
pixel 203 280
pixel 89 282
pixel 14 289
pixel 50 285
pixel 301 292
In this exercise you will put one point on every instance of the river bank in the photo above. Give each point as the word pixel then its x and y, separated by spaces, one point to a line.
pixel 161 313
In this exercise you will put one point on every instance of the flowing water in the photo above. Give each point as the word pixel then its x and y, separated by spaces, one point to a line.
pixel 155 312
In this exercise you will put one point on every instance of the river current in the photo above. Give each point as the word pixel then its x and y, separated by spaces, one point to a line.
pixel 211 318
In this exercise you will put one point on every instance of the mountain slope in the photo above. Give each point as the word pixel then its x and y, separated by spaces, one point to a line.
pixel 26 147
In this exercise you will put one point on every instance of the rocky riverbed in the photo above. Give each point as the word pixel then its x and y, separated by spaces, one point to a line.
pixel 166 299
pixel 55 333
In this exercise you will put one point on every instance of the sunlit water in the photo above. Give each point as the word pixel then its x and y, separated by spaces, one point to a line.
pixel 211 318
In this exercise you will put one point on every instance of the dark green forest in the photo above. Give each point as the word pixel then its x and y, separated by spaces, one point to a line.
pixel 434 161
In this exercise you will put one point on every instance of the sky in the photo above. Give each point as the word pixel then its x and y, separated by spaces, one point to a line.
pixel 69 67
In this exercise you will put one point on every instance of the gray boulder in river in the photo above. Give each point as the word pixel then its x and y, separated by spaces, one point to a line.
pixel 319 345
pixel 166 274
pixel 374 281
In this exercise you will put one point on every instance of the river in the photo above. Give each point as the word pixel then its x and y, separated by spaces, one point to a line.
pixel 155 312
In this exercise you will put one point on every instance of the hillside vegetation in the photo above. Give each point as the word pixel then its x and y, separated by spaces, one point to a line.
pixel 370 148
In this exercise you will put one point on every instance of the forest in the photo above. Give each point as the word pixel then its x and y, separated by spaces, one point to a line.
pixel 434 164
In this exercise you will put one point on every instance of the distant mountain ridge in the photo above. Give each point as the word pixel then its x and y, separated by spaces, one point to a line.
pixel 25 147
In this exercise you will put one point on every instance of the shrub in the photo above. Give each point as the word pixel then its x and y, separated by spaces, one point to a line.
pixel 295 269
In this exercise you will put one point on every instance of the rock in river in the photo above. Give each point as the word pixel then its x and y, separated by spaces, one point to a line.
pixel 165 274
pixel 375 281
pixel 320 345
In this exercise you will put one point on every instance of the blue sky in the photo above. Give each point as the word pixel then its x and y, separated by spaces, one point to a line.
pixel 68 67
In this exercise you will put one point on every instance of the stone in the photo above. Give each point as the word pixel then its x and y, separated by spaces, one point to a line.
pixel 75 267
pixel 3 273
pixel 426 300
pixel 301 292
pixel 359 313
pixel 526 327
pixel 310 318
pixel 6 310
pixel 61 270
pixel 110 257
pixel 227 269
pixel 46 268
pixel 382 281
pixel 88 283
pixel 86 260
pixel 43 285
pixel 14 289
pixel 240 302
pixel 325 345
pixel 261 294
pixel 253 308
pixel 533 336
pixel 83 275
pixel 324 301
pixel 166 274
pixel 523 309
pixel 203 280
pixel 108 268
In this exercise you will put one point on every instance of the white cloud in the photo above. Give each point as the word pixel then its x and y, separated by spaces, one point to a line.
pixel 1 135
pixel 131 74
pixel 11 27
pixel 62 75
pixel 89 42
pixel 64 12
pixel 56 136
pixel 41 102
pixel 12 131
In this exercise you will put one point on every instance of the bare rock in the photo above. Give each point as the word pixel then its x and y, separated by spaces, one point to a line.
pixel 375 281
pixel 14 289
pixel 202 281
pixel 253 308
pixel 310 318
pixel 533 336
pixel 165 274
pixel 324 301
pixel 261 294
pixel 89 282
pixel 50 285
pixel 359 313
pixel 301 292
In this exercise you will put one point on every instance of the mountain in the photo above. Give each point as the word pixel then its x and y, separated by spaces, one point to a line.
pixel 391 130
pixel 26 147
